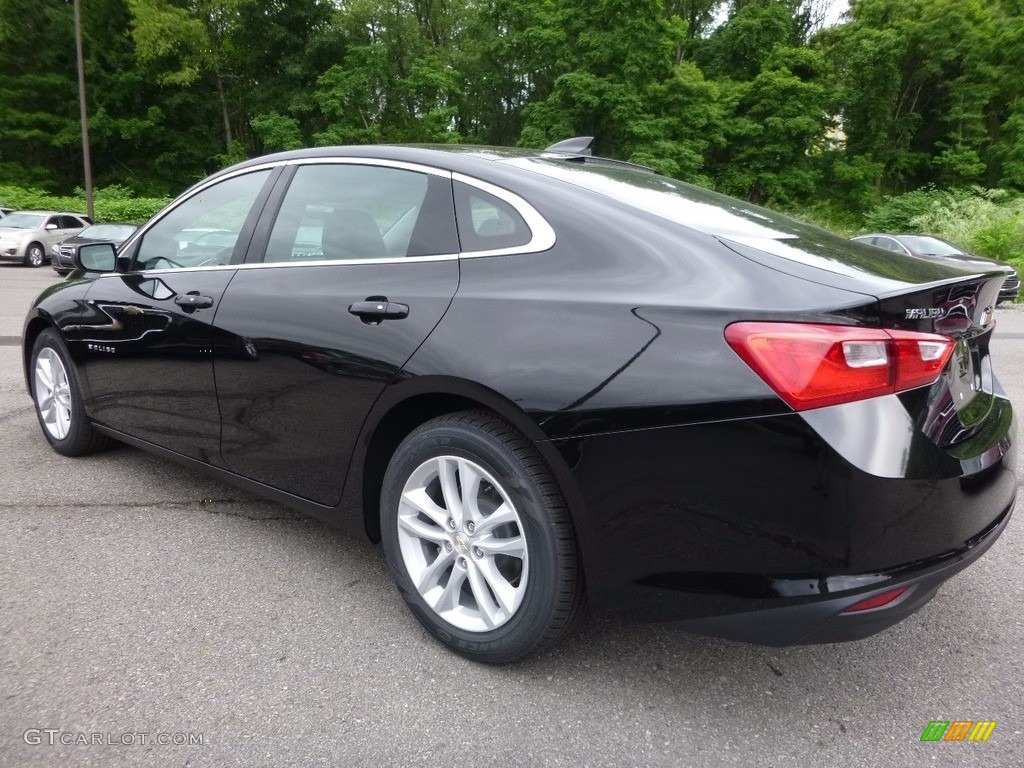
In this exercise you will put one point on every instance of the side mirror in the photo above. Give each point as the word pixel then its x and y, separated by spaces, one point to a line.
pixel 96 257
pixel 50 227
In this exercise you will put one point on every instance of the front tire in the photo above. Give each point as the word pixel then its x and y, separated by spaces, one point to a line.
pixel 478 539
pixel 35 255
pixel 58 399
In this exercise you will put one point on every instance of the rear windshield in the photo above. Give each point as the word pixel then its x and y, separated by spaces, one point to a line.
pixel 686 204
pixel 737 222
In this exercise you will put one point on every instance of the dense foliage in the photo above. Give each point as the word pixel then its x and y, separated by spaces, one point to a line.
pixel 754 97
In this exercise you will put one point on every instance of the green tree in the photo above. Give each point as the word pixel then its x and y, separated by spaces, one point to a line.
pixel 39 124
pixel 190 38
pixel 775 132
pixel 916 78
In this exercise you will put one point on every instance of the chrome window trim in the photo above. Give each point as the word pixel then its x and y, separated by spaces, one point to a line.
pixel 400 165
pixel 280 264
pixel 334 262
pixel 543 236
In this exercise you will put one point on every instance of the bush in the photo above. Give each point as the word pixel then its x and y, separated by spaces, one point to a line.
pixel 114 203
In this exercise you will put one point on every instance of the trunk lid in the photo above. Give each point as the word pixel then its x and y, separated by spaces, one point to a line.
pixel 914 294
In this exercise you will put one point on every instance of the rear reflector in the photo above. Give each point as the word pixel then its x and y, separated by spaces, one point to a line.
pixel 877 601
pixel 812 365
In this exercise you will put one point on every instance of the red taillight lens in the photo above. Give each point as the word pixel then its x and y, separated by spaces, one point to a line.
pixel 811 365
pixel 877 601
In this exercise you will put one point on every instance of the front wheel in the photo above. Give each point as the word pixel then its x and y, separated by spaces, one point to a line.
pixel 478 539
pixel 35 255
pixel 58 399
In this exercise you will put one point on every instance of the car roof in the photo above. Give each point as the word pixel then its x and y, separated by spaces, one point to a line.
pixel 55 213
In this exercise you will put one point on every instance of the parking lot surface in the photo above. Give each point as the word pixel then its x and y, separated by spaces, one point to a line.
pixel 152 617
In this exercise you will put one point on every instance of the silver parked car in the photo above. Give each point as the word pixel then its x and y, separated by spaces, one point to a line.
pixel 27 236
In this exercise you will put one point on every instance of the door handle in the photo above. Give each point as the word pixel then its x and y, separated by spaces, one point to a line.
pixel 193 301
pixel 375 309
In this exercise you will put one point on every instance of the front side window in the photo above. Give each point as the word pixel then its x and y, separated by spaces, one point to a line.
pixel 345 212
pixel 203 230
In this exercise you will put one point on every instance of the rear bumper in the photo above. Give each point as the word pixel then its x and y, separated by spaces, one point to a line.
pixel 766 529
pixel 824 621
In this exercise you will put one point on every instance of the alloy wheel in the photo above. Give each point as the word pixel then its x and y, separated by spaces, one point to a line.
pixel 53 393
pixel 463 544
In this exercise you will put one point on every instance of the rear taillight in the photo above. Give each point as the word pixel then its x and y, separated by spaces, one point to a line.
pixel 811 365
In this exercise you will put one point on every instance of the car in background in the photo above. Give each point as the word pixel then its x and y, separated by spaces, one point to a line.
pixel 62 253
pixel 937 249
pixel 27 236
pixel 533 373
pixel 4 211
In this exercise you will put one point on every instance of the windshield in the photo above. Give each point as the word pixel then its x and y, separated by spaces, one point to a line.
pixel 23 220
pixel 107 232
pixel 930 246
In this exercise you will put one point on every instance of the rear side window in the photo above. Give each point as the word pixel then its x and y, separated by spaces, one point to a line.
pixel 889 244
pixel 486 222
pixel 344 212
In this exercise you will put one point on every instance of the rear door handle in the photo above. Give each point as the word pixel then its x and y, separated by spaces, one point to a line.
pixel 374 309
pixel 193 301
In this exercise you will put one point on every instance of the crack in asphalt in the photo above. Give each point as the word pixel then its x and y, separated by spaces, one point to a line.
pixel 204 505
pixel 17 413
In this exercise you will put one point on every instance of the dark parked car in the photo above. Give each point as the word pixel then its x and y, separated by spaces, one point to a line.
pixel 531 374
pixel 62 253
pixel 937 249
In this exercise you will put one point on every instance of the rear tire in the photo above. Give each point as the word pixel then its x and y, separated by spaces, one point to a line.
pixel 478 539
pixel 35 255
pixel 58 398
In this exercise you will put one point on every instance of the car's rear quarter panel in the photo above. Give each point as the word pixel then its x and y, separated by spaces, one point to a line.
pixel 696 489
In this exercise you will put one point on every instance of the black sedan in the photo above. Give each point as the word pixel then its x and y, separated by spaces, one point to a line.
pixel 534 375
pixel 937 249
pixel 62 253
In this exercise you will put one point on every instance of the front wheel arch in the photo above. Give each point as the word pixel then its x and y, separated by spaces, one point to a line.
pixel 56 392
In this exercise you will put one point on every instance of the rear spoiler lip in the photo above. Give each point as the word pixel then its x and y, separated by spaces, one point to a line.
pixel 966 278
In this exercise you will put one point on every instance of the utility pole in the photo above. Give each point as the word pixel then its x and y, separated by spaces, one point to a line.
pixel 86 159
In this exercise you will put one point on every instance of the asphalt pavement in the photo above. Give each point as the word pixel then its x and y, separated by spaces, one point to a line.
pixel 150 616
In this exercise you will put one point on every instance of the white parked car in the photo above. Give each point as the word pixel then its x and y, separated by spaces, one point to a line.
pixel 27 236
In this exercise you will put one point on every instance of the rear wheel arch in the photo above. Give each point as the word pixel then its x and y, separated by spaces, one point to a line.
pixel 416 402
pixel 499 580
